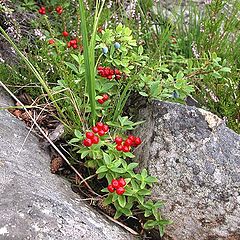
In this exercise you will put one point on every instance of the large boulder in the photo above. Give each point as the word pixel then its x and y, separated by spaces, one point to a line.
pixel 35 204
pixel 196 159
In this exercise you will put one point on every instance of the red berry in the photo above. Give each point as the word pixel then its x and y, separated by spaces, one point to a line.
pixel 100 30
pixel 105 97
pixel 101 133
pixel 118 140
pixel 118 77
pixel 90 135
pixel 102 73
pixel 126 148
pixel 75 46
pixel 138 141
pixel 109 77
pixel 101 101
pixel 120 191
pixel 111 72
pixel 65 33
pixel 95 129
pixel 68 44
pixel 115 183
pixel 100 68
pixel 99 125
pixel 117 72
pixel 128 142
pixel 105 128
pixel 110 188
pixel 131 137
pixel 87 142
pixel 73 42
pixel 51 41
pixel 59 10
pixel 95 140
pixel 107 71
pixel 119 147
pixel 121 182
pixel 42 10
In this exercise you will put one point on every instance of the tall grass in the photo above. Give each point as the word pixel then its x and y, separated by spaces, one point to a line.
pixel 89 53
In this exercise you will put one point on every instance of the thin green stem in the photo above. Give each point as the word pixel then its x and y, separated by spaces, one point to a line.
pixel 35 72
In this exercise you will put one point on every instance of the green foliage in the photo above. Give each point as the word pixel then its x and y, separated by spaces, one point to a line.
pixel 158 57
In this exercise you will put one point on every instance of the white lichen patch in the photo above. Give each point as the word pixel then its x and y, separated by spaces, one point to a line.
pixel 3 230
pixel 212 120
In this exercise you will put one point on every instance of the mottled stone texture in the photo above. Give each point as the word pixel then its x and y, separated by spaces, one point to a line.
pixel 35 204
pixel 196 159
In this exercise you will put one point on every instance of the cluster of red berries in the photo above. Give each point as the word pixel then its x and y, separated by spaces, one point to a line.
pixel 117 185
pixel 101 129
pixel 42 10
pixel 109 73
pixel 72 43
pixel 59 10
pixel 104 98
pixel 131 141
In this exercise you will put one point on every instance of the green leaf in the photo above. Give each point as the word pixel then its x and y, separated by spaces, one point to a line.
pixel 102 169
pixel 131 166
pixel 140 50
pixel 117 163
pixel 118 170
pixel 108 200
pixel 144 192
pixel 216 74
pixel 143 184
pixel 161 231
pixel 151 179
pixel 143 94
pixel 144 173
pixel 74 140
pixel 122 200
pixel 117 215
pixel 140 199
pixel 225 69
pixel 115 197
pixel 134 185
pixel 84 154
pixel 72 67
pixel 119 28
pixel 78 134
pixel 129 154
pixel 126 211
pixel 109 177
pixel 150 224
pixel 107 158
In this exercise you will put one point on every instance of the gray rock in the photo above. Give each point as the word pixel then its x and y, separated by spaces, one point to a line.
pixel 35 204
pixel 196 159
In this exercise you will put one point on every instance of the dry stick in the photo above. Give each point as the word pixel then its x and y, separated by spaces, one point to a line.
pixel 49 140
pixel 30 129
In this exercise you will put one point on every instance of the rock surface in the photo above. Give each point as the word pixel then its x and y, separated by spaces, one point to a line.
pixel 35 204
pixel 196 159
